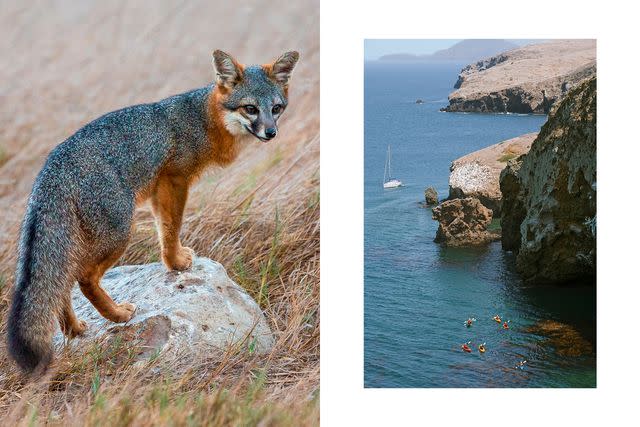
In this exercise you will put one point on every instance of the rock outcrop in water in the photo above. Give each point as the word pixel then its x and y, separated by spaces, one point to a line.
pixel 430 196
pixel 565 339
pixel 549 195
pixel 530 79
pixel 463 222
pixel 478 174
pixel 190 310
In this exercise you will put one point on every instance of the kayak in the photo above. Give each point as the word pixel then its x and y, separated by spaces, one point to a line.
pixel 497 319
pixel 481 348
pixel 466 348
pixel 505 325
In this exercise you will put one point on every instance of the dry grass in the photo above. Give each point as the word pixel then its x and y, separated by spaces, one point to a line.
pixel 259 217
pixel 511 151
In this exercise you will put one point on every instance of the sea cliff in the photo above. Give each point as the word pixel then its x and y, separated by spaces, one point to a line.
pixel 526 80
pixel 549 195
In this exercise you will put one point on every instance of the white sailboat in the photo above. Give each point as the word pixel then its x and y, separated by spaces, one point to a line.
pixel 388 181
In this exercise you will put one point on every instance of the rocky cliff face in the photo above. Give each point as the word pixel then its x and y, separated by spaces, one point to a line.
pixel 530 79
pixel 481 65
pixel 549 195
pixel 513 208
pixel 478 174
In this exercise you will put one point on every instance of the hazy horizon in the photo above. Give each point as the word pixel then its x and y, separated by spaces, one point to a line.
pixel 375 48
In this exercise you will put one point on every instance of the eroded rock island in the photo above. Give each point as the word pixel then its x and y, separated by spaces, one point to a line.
pixel 463 222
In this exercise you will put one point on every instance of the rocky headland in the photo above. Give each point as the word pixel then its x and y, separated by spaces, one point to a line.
pixel 478 174
pixel 530 79
pixel 549 195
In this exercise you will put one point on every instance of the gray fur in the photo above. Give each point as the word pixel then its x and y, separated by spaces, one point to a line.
pixel 82 202
pixel 86 191
pixel 257 89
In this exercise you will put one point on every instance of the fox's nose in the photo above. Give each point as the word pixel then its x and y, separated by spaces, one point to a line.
pixel 270 133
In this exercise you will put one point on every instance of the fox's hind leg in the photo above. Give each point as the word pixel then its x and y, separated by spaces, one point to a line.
pixel 168 202
pixel 70 325
pixel 105 207
pixel 90 287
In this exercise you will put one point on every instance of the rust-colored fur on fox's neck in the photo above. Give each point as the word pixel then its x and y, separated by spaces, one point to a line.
pixel 224 148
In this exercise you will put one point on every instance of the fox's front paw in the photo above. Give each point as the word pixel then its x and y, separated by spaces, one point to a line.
pixel 182 260
pixel 125 312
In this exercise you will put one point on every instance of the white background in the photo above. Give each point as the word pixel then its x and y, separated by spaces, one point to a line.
pixel 344 26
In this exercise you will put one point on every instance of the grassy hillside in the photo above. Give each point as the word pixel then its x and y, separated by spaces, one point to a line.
pixel 69 62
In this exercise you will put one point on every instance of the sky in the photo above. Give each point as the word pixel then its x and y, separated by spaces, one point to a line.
pixel 375 48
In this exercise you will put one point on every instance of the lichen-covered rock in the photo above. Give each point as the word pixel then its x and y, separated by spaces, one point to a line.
pixel 549 195
pixel 463 222
pixel 478 174
pixel 530 79
pixel 190 310
pixel 430 196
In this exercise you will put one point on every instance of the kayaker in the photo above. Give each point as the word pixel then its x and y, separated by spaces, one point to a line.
pixel 481 348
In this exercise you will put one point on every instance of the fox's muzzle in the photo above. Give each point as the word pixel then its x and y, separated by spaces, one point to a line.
pixel 264 126
pixel 270 133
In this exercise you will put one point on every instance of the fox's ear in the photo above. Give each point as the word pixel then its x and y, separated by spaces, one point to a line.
pixel 228 70
pixel 282 68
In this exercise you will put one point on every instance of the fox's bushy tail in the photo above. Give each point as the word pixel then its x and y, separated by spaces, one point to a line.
pixel 41 286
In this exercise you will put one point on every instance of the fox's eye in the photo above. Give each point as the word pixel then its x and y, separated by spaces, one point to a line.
pixel 251 109
pixel 276 109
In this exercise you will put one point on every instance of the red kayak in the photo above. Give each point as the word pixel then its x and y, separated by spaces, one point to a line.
pixel 466 348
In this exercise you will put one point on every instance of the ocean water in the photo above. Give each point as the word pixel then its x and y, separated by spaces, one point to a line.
pixel 417 293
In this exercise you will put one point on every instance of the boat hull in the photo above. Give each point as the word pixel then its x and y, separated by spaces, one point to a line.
pixel 392 184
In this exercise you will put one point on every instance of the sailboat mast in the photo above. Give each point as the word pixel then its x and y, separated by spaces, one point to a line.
pixel 389 157
pixel 389 181
pixel 386 162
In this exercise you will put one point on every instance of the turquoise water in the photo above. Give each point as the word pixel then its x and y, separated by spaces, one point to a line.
pixel 418 293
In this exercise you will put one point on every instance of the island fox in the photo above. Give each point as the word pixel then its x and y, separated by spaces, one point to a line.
pixel 79 215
